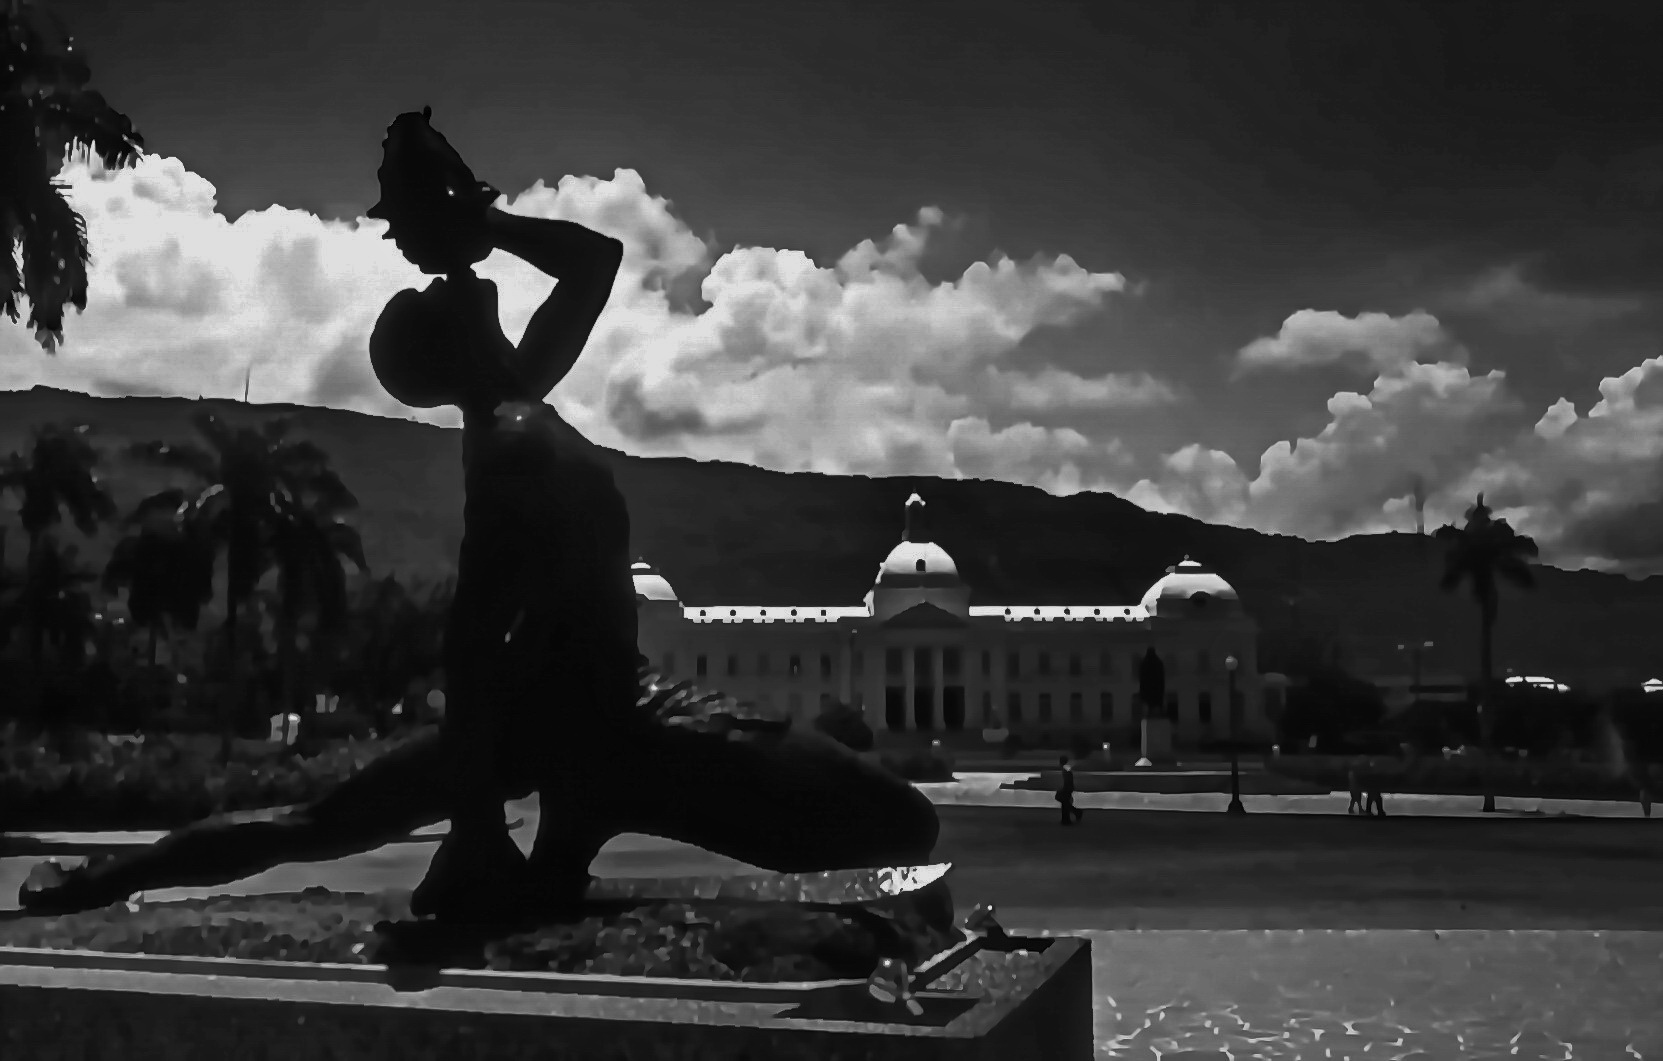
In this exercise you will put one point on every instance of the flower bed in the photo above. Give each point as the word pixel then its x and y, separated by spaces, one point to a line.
pixel 695 940
pixel 1022 1000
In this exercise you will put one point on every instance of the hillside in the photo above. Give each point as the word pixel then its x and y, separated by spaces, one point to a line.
pixel 729 533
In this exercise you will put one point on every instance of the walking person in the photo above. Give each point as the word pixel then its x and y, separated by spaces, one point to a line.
pixel 1356 804
pixel 1065 794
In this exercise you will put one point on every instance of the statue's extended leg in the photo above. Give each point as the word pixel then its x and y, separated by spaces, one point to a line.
pixel 385 801
pixel 787 799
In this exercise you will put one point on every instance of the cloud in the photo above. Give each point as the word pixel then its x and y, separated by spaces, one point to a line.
pixel 860 364
pixel 1424 420
pixel 1053 389
pixel 1510 300
pixel 863 365
pixel 1379 341
pixel 1589 485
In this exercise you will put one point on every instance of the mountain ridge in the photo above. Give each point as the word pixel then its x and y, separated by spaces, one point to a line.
pixel 725 533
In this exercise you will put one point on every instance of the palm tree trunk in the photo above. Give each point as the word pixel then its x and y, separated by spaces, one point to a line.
pixel 1486 705
pixel 234 682
pixel 288 663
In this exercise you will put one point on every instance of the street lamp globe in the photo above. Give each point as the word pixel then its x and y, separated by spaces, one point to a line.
pixel 1229 663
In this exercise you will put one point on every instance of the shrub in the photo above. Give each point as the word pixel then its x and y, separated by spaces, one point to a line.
pixel 847 726
pixel 1084 746
pixel 924 765
pixel 167 780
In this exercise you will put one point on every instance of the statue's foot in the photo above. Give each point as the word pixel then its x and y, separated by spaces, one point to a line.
pixel 477 876
pixel 50 889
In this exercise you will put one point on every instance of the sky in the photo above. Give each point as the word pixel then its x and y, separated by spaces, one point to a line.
pixel 1267 264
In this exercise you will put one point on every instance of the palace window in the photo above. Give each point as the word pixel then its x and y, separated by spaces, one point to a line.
pixel 1105 706
pixel 794 665
pixel 987 709
pixel 1013 708
pixel 1013 665
pixel 1044 712
pixel 1105 661
pixel 1204 707
pixel 733 665
pixel 701 665
pixel 987 663
pixel 1044 664
pixel 669 663
pixel 1076 707
pixel 825 665
pixel 1074 664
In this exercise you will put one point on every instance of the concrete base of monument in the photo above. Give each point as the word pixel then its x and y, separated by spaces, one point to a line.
pixel 76 1004
pixel 1157 740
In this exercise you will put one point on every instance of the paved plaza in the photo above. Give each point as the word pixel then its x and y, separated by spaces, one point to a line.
pixel 1209 991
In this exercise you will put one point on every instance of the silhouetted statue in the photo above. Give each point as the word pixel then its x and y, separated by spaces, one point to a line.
pixel 546 691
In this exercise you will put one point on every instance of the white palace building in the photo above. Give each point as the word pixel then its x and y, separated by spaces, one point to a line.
pixel 915 655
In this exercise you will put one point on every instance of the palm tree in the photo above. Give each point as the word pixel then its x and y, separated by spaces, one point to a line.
pixel 166 566
pixel 308 543
pixel 46 111
pixel 251 482
pixel 1481 553
pixel 59 473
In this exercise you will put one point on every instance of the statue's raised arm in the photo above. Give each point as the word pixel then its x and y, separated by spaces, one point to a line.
pixel 585 263
pixel 444 345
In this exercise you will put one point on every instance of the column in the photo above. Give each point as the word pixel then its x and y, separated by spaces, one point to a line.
pixel 939 698
pixel 907 676
pixel 846 669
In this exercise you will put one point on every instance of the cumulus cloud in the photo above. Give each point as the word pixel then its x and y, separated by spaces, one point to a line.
pixel 856 365
pixel 1422 421
pixel 1586 487
pixel 1507 297
pixel 860 365
pixel 1369 340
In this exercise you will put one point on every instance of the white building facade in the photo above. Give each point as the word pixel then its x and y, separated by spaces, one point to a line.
pixel 916 656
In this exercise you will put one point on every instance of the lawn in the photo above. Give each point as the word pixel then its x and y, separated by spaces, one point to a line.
pixel 1172 870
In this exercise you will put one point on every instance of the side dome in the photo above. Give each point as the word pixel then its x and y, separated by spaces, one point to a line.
pixel 1187 582
pixel 650 585
pixel 917 563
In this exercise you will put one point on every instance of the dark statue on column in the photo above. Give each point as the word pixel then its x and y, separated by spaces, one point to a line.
pixel 1152 685
pixel 547 692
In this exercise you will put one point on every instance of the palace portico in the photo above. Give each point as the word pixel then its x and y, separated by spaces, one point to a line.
pixel 916 655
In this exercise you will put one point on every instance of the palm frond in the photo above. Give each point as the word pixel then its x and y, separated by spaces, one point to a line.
pixel 184 456
pixel 79 123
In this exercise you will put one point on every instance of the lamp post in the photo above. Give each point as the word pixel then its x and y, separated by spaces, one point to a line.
pixel 1235 806
pixel 1415 656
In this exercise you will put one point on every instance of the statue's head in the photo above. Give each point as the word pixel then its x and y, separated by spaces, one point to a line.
pixel 425 187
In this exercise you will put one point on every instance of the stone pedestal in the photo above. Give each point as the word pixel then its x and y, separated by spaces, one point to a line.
pixel 1157 739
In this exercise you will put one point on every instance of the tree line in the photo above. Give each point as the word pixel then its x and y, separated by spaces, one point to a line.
pixel 257 530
